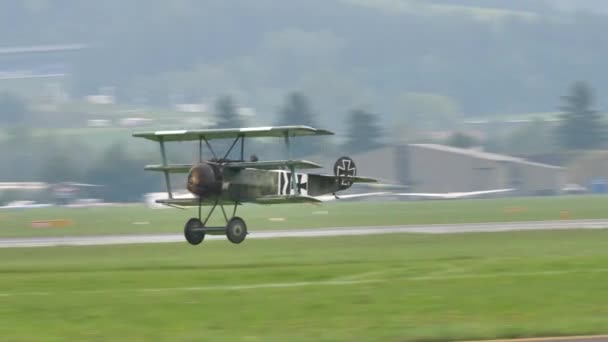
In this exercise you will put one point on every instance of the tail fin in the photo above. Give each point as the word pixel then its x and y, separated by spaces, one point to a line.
pixel 344 168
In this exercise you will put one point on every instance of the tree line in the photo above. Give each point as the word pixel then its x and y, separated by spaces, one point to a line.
pixel 332 49
pixel 46 158
pixel 119 169
pixel 579 127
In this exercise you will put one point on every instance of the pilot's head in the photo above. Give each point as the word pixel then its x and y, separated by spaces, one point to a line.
pixel 253 158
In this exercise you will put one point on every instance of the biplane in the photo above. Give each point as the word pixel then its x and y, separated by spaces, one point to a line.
pixel 222 181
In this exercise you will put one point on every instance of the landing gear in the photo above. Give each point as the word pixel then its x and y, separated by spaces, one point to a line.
pixel 236 230
pixel 194 231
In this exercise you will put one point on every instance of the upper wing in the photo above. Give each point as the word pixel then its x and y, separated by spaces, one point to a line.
pixel 225 133
pixel 263 165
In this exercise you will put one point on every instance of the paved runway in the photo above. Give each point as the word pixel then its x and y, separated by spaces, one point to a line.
pixel 316 232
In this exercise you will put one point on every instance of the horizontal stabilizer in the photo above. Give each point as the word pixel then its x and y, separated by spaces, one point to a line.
pixel 353 179
pixel 357 179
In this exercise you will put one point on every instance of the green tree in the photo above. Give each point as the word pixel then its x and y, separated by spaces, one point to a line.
pixel 121 176
pixel 298 111
pixel 428 110
pixel 581 127
pixel 531 138
pixel 226 111
pixel 364 131
pixel 60 167
pixel 462 140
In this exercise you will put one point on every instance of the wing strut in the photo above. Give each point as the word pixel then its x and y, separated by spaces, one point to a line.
pixel 242 149
pixel 200 150
pixel 292 169
pixel 231 147
pixel 210 148
pixel 240 137
pixel 166 172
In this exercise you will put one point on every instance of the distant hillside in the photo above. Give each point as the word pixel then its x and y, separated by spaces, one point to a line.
pixel 407 60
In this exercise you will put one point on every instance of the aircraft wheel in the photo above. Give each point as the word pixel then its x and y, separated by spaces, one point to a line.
pixel 194 237
pixel 236 230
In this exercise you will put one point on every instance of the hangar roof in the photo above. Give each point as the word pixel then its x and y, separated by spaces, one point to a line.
pixel 483 155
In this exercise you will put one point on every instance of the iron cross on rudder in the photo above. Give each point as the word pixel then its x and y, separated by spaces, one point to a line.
pixel 345 167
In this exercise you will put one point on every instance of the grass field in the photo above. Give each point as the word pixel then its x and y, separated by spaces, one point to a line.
pixel 139 220
pixel 378 288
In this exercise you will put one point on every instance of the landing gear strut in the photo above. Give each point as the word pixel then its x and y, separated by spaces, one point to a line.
pixel 235 229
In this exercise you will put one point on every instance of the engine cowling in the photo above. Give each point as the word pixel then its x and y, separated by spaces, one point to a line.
pixel 205 180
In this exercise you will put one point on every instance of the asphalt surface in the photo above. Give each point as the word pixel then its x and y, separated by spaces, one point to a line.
pixel 309 233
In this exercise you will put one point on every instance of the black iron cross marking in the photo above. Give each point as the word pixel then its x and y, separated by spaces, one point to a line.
pixel 301 185
pixel 285 183
pixel 346 170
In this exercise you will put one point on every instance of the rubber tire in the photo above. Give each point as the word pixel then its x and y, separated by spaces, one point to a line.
pixel 193 238
pixel 236 230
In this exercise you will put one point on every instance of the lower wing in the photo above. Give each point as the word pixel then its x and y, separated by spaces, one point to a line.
pixel 193 201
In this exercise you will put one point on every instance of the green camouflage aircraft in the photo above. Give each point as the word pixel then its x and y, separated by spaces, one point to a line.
pixel 222 181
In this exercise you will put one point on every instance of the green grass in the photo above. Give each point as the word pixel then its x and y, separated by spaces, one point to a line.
pixel 141 220
pixel 376 288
